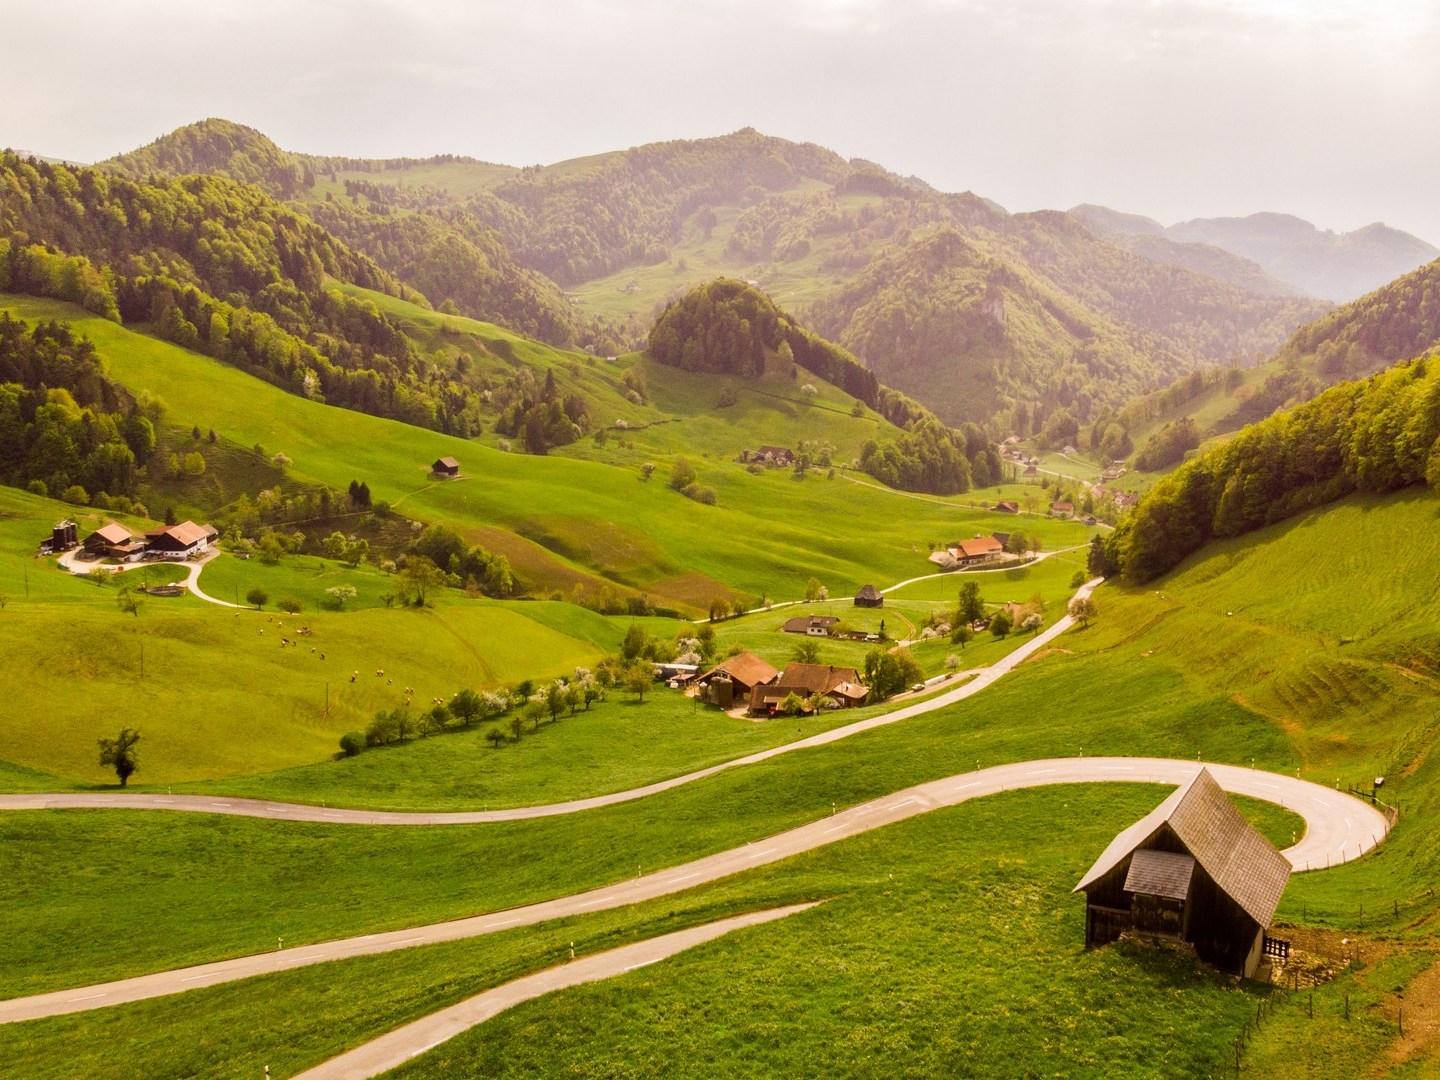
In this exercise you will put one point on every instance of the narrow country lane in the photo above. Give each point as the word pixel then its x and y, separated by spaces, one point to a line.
pixel 1338 828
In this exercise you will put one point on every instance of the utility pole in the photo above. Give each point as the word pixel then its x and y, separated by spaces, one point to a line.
pixel 142 659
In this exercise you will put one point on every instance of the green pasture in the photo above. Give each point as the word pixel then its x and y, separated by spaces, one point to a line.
pixel 934 949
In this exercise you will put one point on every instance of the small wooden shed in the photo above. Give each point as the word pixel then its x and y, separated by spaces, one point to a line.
pixel 446 466
pixel 1191 870
pixel 869 596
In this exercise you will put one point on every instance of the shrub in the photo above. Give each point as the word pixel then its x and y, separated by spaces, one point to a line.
pixel 290 606
pixel 351 743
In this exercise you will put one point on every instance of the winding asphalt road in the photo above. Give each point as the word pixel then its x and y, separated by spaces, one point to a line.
pixel 396 1047
pixel 1339 828
pixel 283 811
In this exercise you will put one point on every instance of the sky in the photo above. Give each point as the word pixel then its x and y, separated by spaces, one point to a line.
pixel 1328 109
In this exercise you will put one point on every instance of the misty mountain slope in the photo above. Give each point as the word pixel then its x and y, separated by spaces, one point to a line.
pixel 624 232
pixel 1146 237
pixel 1315 262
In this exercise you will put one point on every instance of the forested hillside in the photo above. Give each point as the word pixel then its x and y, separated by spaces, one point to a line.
pixel 1393 323
pixel 219 266
pixel 453 257
pixel 65 428
pixel 731 328
pixel 1001 319
pixel 1375 435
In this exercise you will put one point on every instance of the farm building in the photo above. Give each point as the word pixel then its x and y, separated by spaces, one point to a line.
pixel 840 685
pixel 114 541
pixel 1191 870
pixel 1007 506
pixel 446 466
pixel 980 549
pixel 1030 471
pixel 814 625
pixel 179 541
pixel 869 596
pixel 63 536
pixel 774 456
pixel 732 680
pixel 1064 509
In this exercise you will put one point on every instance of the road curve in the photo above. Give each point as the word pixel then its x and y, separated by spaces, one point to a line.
pixel 396 1047
pixel 1338 828
pixel 283 811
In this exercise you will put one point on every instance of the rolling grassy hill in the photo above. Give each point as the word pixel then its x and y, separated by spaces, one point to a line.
pixel 567 521
pixel 1308 647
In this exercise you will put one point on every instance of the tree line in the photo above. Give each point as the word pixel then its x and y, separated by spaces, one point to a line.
pixel 1375 435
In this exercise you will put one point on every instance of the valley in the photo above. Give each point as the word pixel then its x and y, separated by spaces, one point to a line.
pixel 700 609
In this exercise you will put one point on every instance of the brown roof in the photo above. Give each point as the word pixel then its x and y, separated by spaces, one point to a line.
pixel 981 545
pixel 1238 859
pixel 868 592
pixel 1062 506
pixel 1008 506
pixel 815 678
pixel 800 623
pixel 745 668
pixel 113 533
pixel 186 533
pixel 1160 873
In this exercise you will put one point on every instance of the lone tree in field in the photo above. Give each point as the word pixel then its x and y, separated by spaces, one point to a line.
pixel 972 608
pixel 638 677
pixel 806 652
pixel 1001 624
pixel 1082 610
pixel 467 707
pixel 120 754
pixel 127 601
pixel 421 576
pixel 257 596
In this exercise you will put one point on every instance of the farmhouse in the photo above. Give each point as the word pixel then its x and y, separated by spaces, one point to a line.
pixel 1064 509
pixel 814 625
pixel 179 541
pixel 445 466
pixel 1191 870
pixel 733 679
pixel 1030 471
pixel 839 685
pixel 869 596
pixel 980 549
pixel 1007 506
pixel 776 456
pixel 114 541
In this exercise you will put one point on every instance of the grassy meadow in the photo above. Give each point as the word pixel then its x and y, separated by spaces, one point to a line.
pixel 563 521
pixel 931 951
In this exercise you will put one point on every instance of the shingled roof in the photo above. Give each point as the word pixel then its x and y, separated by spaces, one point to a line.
pixel 1236 857
pixel 745 668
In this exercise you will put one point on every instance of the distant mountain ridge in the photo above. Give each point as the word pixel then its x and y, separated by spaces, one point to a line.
pixel 1001 317
pixel 1314 262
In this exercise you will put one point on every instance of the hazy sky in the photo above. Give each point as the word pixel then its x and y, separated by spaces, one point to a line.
pixel 1325 108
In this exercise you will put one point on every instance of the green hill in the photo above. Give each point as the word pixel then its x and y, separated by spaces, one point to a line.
pixel 1083 322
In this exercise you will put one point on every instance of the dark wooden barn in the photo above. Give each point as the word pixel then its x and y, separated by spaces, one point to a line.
pixel 1192 870
pixel 445 466
pixel 869 596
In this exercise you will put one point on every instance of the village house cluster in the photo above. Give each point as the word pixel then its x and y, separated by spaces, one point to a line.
pixel 746 677
pixel 774 457
pixel 115 541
